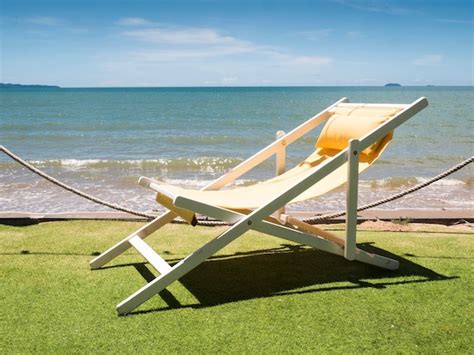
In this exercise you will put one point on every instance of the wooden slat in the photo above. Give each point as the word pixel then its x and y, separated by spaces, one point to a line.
pixel 149 254
pixel 124 244
pixel 310 228
pixel 355 105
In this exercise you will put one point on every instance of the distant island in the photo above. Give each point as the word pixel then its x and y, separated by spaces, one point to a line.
pixel 392 84
pixel 21 86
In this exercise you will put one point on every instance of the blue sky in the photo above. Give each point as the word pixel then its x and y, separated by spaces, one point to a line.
pixel 229 43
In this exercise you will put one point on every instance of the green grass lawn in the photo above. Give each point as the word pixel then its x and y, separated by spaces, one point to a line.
pixel 259 294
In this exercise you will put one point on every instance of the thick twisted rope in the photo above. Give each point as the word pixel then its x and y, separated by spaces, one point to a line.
pixel 312 220
pixel 72 189
pixel 448 172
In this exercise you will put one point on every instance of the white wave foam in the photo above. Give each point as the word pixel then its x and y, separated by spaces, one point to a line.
pixel 79 162
pixel 86 162
pixel 206 163
pixel 187 182
pixel 400 182
pixel 444 182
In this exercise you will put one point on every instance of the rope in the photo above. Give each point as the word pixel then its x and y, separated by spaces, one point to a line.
pixel 72 189
pixel 450 171
pixel 207 222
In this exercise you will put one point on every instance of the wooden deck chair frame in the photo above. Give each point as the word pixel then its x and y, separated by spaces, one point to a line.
pixel 261 219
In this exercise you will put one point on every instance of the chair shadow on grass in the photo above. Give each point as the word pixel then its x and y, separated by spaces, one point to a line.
pixel 287 270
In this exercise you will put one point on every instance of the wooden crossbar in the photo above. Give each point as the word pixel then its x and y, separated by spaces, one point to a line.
pixel 310 228
pixel 149 254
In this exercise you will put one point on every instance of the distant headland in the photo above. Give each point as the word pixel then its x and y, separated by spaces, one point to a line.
pixel 392 85
pixel 21 86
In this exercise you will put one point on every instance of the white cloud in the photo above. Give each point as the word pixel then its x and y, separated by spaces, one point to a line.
pixel 230 80
pixel 375 6
pixel 167 55
pixel 193 43
pixel 112 82
pixel 428 60
pixel 314 35
pixel 355 34
pixel 45 21
pixel 134 21
pixel 310 60
pixel 180 55
pixel 175 44
pixel 202 36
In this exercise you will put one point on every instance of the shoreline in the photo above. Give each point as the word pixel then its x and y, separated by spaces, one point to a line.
pixel 426 216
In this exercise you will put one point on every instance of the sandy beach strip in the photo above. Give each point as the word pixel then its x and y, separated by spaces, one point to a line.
pixel 400 216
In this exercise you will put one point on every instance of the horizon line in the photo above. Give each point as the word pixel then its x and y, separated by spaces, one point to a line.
pixel 235 86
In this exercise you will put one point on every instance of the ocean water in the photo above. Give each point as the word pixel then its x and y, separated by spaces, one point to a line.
pixel 102 140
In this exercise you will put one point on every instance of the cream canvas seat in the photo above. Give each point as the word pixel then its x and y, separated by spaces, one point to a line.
pixel 353 138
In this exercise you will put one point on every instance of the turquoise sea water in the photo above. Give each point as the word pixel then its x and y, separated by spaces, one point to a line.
pixel 102 140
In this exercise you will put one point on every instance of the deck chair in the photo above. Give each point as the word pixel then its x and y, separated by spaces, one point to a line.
pixel 353 138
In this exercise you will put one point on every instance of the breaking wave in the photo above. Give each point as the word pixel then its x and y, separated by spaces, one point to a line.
pixel 202 164
pixel 410 181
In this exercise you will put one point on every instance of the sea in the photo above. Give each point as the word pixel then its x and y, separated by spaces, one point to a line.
pixel 101 140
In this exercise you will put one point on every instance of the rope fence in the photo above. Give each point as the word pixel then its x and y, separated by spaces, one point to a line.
pixel 312 220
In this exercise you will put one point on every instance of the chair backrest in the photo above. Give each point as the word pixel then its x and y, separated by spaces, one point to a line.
pixel 354 123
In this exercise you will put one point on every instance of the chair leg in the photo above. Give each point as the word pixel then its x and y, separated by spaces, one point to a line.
pixel 352 195
pixel 124 244
pixel 182 268
pixel 376 260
